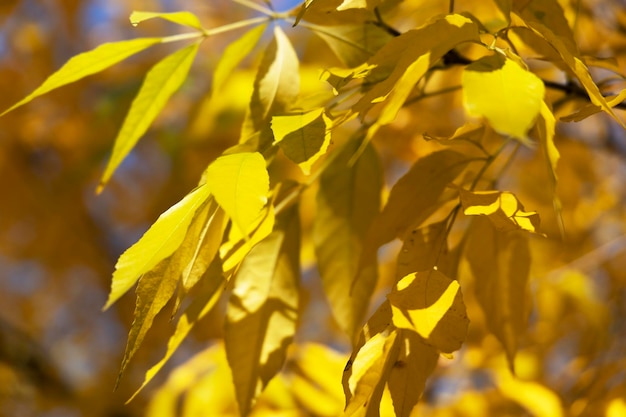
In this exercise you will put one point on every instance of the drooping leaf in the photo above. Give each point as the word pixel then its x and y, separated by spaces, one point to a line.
pixel 352 44
pixel 278 81
pixel 233 54
pixel 430 304
pixel 198 309
pixel 184 18
pixel 500 265
pixel 568 52
pixel 503 209
pixel 348 200
pixel 538 399
pixel 205 242
pixel 154 290
pixel 88 63
pixel 423 249
pixel 262 310
pixel 404 60
pixel 414 197
pixel 469 132
pixel 240 184
pixel 304 137
pixel 159 242
pixel 507 95
pixel 591 109
pixel 416 361
pixel 160 83
pixel 369 372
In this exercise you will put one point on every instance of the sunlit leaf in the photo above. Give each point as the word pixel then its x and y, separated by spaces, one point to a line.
pixel 591 109
pixel 414 197
pixel 182 18
pixel 538 399
pixel 159 242
pixel 304 138
pixel 89 63
pixel 278 81
pixel 503 209
pixel 154 290
pixel 500 265
pixel 369 372
pixel 416 361
pixel 423 249
pixel 240 184
pixel 233 54
pixel 430 304
pixel 404 60
pixel 348 200
pixel 160 83
pixel 262 310
pixel 507 95
pixel 198 309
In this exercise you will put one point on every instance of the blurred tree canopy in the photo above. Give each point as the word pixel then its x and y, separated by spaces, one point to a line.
pixel 329 207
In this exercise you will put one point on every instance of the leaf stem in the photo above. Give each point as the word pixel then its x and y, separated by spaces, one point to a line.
pixel 451 8
pixel 236 25
pixel 251 5
pixel 182 37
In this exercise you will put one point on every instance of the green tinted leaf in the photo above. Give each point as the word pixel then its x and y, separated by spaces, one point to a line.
pixel 240 184
pixel 430 304
pixel 89 63
pixel 160 83
pixel 348 200
pixel 182 18
pixel 507 95
pixel 262 310
pixel 234 54
pixel 159 242
pixel 304 138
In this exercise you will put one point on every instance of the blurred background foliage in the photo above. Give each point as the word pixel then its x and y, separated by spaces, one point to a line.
pixel 59 354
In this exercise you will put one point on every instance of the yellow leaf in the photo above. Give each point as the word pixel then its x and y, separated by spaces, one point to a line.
pixel 423 249
pixel 160 83
pixel 507 95
pixel 278 81
pixel 416 361
pixel 348 200
pixel 469 132
pixel 304 137
pixel 414 197
pixel 159 242
pixel 369 371
pixel 500 265
pixel 405 59
pixel 616 408
pixel 182 18
pixel 198 309
pixel 240 184
pixel 88 63
pixel 591 109
pixel 502 208
pixel 233 54
pixel 539 400
pixel 352 44
pixel 204 243
pixel 430 304
pixel 262 310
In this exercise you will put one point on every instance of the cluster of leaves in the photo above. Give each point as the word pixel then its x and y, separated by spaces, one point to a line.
pixel 238 235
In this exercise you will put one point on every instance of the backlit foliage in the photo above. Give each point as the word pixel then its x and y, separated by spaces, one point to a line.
pixel 395 161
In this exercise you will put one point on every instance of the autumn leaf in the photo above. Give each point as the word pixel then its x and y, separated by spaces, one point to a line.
pixel 240 184
pixel 159 242
pixel 184 18
pixel 503 209
pixel 507 95
pixel 303 137
pixel 88 63
pixel 500 266
pixel 348 200
pixel 430 304
pixel 262 310
pixel 160 83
